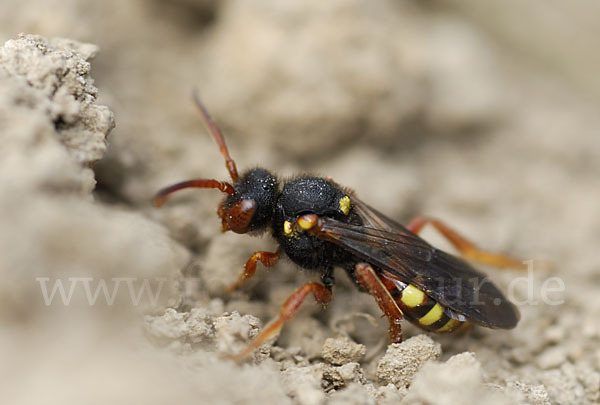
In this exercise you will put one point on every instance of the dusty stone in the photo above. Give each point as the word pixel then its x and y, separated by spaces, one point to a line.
pixel 591 383
pixel 59 71
pixel 234 331
pixel 458 380
pixel 354 393
pixel 194 327
pixel 563 385
pixel 336 377
pixel 552 357
pixel 531 394
pixel 48 101
pixel 402 361
pixel 554 334
pixel 342 350
pixel 389 394
pixel 170 325
pixel 303 384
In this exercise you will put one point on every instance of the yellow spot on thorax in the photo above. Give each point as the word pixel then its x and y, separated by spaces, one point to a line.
pixel 345 205
pixel 434 315
pixel 412 296
pixel 287 227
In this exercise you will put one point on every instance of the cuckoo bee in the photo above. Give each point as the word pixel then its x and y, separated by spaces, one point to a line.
pixel 320 225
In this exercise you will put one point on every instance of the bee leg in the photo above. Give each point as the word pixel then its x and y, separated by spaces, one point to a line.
pixel 467 248
pixel 268 259
pixel 367 278
pixel 328 278
pixel 288 309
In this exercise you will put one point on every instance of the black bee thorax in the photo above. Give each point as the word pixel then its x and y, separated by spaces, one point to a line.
pixel 310 195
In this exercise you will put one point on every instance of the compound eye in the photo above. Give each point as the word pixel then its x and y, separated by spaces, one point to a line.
pixel 238 216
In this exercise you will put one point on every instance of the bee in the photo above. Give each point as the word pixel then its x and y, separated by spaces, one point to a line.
pixel 320 225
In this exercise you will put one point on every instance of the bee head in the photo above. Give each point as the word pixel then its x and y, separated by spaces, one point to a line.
pixel 250 206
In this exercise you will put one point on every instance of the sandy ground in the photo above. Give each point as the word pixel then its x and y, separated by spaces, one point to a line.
pixel 486 118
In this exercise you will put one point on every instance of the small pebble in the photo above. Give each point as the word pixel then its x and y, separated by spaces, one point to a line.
pixel 342 350
pixel 402 360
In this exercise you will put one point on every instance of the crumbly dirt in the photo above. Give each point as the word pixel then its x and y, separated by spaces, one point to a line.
pixel 437 108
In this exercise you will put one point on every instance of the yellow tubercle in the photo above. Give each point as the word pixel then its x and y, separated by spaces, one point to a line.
pixel 345 205
pixel 287 228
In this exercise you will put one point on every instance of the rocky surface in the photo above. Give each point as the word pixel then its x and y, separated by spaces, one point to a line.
pixel 422 108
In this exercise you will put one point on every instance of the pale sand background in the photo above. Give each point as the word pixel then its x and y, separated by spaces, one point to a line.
pixel 485 116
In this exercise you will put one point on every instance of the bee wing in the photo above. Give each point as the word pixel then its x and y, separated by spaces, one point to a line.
pixel 403 255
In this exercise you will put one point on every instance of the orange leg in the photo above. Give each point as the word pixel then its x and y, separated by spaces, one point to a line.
pixel 288 309
pixel 367 277
pixel 464 246
pixel 268 259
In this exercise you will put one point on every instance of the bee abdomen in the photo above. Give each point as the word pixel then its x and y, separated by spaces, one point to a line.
pixel 421 309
